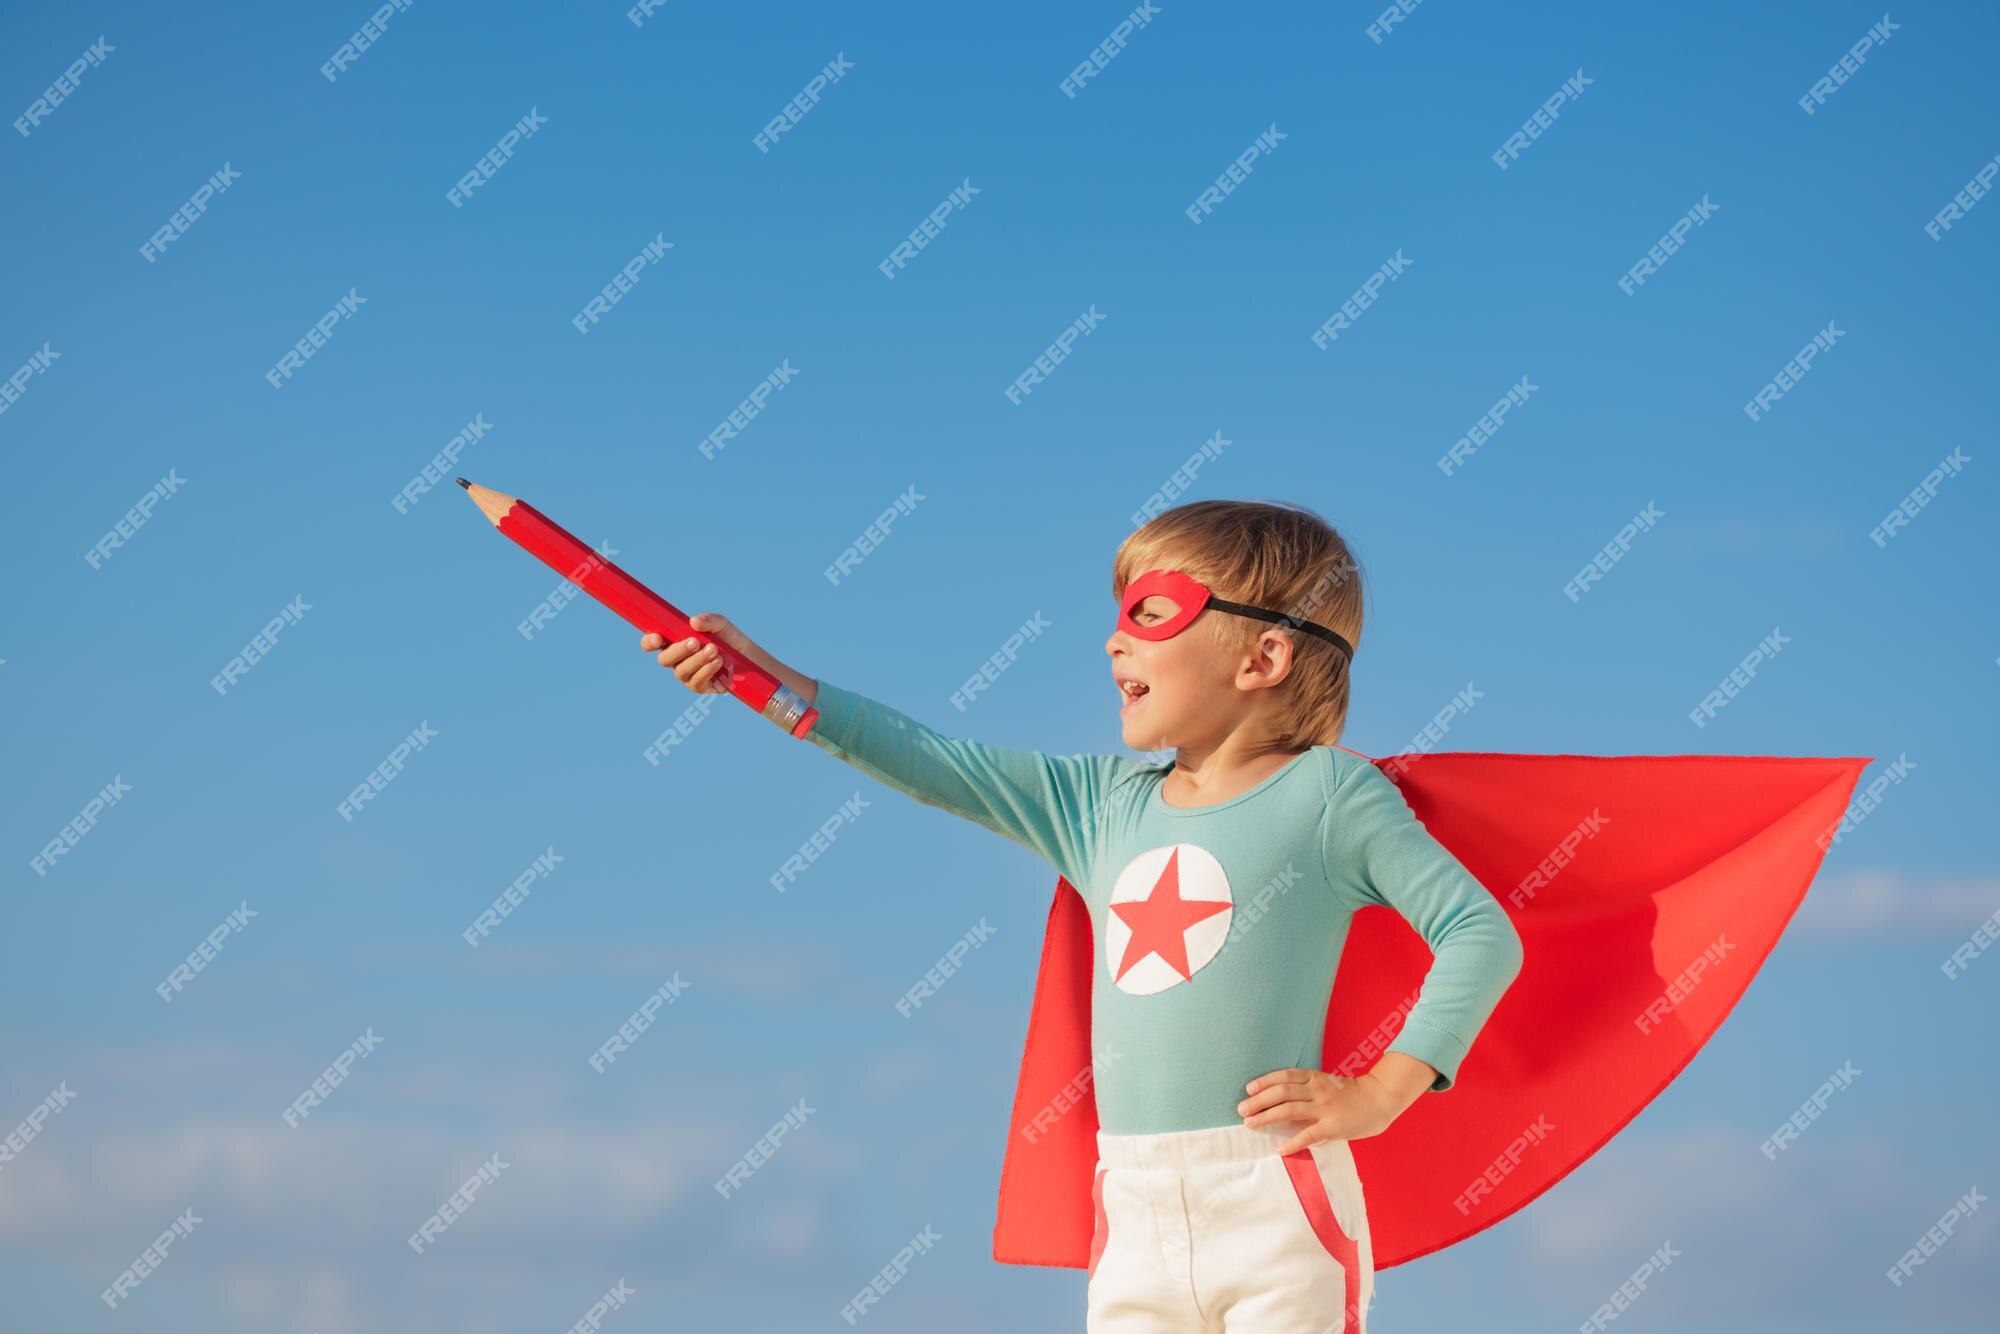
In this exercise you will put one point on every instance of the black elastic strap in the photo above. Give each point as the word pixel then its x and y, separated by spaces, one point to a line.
pixel 1289 622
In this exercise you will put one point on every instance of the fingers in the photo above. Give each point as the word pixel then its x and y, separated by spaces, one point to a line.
pixel 1294 1109
pixel 1305 1139
pixel 1290 1075
pixel 702 669
pixel 1271 1097
pixel 707 622
pixel 671 654
pixel 711 623
pixel 699 666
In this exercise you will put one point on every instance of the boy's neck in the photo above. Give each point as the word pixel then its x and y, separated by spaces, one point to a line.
pixel 1205 775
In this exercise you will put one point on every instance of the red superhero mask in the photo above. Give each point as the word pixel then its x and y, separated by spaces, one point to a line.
pixel 1190 597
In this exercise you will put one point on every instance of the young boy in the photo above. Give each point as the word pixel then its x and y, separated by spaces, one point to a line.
pixel 1226 1194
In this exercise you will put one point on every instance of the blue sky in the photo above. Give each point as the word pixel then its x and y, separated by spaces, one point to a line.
pixel 409 618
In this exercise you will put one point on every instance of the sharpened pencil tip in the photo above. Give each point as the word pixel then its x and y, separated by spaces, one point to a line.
pixel 467 485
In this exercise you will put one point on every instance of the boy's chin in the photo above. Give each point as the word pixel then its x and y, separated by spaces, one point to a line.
pixel 1140 736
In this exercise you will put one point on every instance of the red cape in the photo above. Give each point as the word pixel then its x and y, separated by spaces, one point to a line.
pixel 1680 874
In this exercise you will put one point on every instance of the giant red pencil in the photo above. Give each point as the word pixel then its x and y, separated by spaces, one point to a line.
pixel 588 570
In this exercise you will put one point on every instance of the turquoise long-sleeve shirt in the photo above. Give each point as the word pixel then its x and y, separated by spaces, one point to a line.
pixel 1218 927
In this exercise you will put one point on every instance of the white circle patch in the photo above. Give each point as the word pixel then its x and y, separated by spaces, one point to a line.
pixel 1168 916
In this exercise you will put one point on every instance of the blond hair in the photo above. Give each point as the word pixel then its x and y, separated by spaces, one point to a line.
pixel 1284 558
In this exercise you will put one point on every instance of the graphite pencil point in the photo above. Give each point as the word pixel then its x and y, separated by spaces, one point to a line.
pixel 467 485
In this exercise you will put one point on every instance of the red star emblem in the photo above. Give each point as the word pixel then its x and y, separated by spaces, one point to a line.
pixel 1160 921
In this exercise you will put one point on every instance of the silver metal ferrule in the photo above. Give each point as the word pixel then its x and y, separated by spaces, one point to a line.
pixel 785 708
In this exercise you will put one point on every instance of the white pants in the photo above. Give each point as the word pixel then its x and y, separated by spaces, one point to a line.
pixel 1214 1232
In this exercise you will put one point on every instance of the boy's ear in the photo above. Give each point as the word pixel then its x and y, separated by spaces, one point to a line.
pixel 1270 653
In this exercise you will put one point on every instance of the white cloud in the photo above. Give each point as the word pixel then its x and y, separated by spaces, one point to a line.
pixel 1874 903
pixel 1804 1240
pixel 1751 535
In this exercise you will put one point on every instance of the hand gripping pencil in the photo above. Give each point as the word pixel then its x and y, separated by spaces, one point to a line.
pixel 558 548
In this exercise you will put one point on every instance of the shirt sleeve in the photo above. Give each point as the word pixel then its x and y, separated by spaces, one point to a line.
pixel 1377 849
pixel 1051 805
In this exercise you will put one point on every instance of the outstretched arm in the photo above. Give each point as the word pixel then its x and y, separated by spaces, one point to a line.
pixel 1052 805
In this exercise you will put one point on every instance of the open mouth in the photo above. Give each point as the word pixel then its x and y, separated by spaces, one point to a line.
pixel 1134 691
